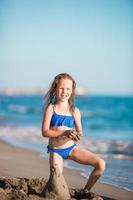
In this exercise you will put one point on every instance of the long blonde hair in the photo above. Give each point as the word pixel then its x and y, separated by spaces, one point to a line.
pixel 51 94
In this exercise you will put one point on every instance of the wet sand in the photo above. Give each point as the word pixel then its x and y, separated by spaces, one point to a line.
pixel 18 163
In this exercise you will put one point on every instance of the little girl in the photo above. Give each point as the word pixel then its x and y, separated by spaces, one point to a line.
pixel 62 125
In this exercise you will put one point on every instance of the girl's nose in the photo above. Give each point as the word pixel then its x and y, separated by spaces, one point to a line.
pixel 65 91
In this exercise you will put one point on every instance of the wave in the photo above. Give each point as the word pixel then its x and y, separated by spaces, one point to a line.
pixel 110 148
pixel 117 149
pixel 23 109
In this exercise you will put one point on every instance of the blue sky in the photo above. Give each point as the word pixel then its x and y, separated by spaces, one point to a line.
pixel 91 40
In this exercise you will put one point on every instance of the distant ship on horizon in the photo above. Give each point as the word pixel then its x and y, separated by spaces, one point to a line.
pixel 80 91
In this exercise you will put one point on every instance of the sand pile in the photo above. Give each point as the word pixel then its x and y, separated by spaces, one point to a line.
pixel 38 189
pixel 56 187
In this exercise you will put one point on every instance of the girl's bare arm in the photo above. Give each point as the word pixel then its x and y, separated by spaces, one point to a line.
pixel 46 131
pixel 77 120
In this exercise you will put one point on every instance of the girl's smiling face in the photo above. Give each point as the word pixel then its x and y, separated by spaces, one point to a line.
pixel 64 89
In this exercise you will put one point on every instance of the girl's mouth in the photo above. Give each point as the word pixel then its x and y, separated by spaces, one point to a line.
pixel 64 96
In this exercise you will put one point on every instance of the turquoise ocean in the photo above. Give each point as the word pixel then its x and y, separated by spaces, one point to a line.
pixel 107 124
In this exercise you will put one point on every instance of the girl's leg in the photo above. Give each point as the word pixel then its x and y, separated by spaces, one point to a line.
pixel 88 158
pixel 56 161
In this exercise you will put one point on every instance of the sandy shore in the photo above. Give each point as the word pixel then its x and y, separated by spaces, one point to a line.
pixel 18 162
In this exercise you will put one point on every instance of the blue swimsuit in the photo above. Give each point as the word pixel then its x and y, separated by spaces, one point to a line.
pixel 62 120
pixel 64 153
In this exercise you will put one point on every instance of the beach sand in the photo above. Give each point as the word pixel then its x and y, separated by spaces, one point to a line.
pixel 18 163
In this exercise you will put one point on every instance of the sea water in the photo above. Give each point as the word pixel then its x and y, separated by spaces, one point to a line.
pixel 107 125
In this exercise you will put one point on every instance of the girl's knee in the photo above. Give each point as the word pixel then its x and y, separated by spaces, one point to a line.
pixel 101 165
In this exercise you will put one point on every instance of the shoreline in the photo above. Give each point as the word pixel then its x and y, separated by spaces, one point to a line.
pixel 20 162
pixel 117 153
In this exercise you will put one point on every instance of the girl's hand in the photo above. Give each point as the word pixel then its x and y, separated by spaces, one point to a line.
pixel 73 135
